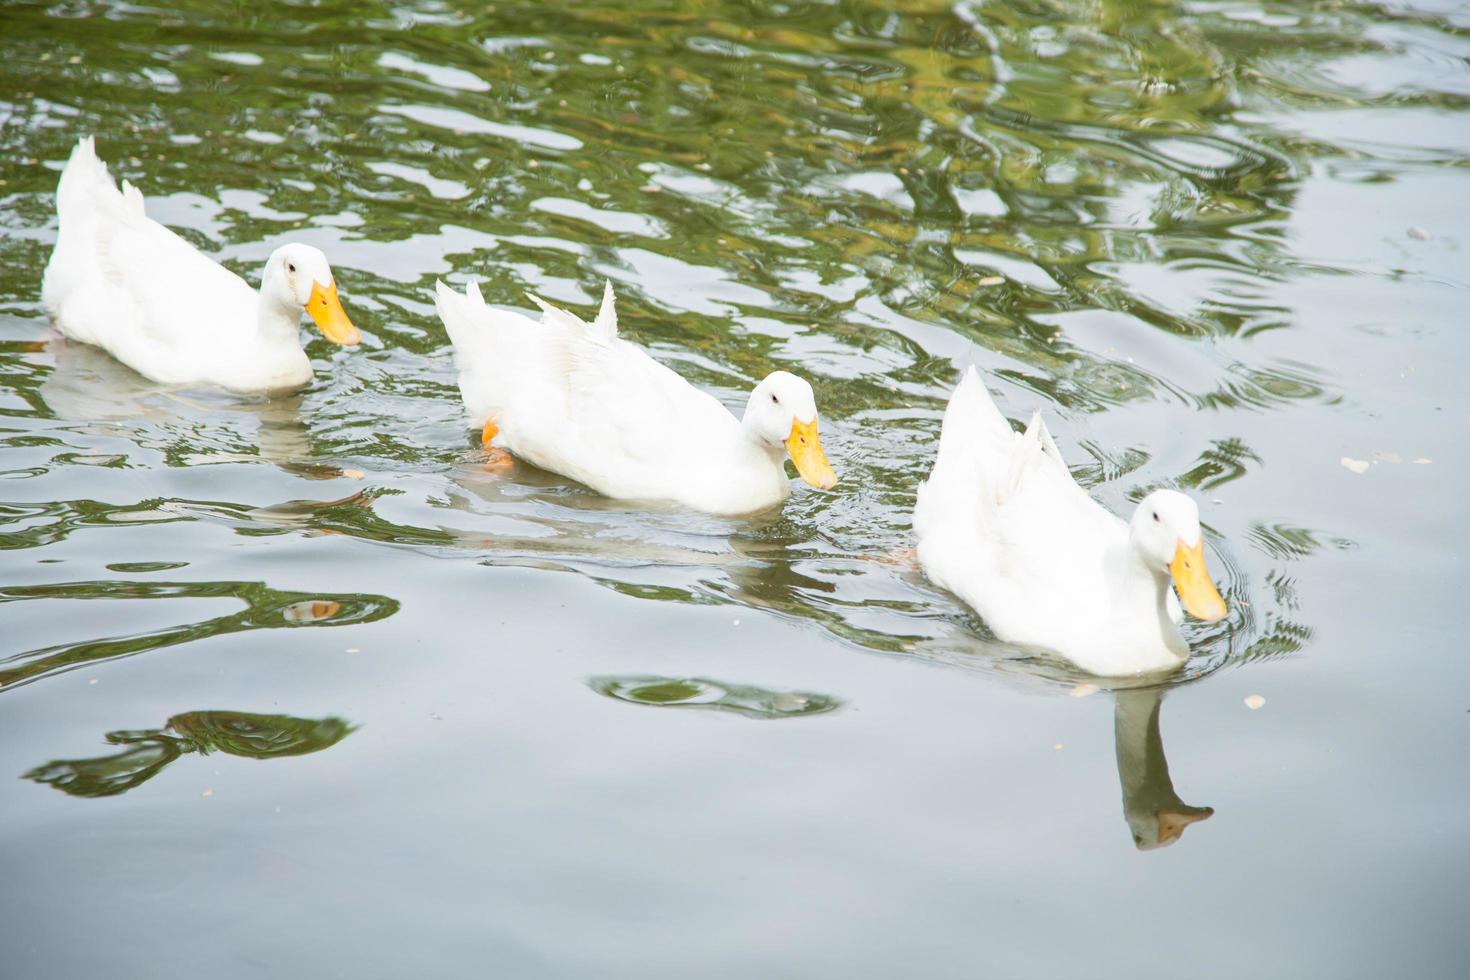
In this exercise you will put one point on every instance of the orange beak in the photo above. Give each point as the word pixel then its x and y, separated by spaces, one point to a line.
pixel 1197 593
pixel 806 452
pixel 325 310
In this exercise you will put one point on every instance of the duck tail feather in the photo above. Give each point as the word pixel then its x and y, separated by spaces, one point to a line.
pixel 557 315
pixel 607 317
pixel 83 175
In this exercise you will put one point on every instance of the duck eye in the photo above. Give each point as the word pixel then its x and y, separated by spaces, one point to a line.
pixel 775 400
pixel 1156 517
pixel 292 268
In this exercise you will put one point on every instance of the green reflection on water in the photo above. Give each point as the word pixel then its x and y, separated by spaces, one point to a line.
pixel 265 608
pixel 149 751
pixel 704 693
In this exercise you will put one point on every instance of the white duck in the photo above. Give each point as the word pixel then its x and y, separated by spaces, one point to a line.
pixel 574 398
pixel 1002 524
pixel 124 282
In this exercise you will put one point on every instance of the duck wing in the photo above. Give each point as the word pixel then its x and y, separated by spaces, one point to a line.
pixel 632 422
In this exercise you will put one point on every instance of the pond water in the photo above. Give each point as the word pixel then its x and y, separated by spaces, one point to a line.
pixel 302 688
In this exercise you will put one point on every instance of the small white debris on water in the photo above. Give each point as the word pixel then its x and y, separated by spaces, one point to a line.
pixel 1359 466
pixel 735 622
pixel 354 474
pixel 354 650
pixel 207 793
pixel 1057 746
pixel 1419 234
pixel 992 280
pixel 1423 461
pixel 1254 701
pixel 92 680
pixel 1083 690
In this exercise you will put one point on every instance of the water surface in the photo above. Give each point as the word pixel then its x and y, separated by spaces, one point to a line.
pixel 322 694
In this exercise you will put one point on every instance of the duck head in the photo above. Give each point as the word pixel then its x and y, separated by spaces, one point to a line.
pixel 1165 535
pixel 782 415
pixel 297 277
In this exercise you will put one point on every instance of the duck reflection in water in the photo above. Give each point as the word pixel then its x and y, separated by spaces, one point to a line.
pixel 1155 813
pixel 150 751
pixel 198 425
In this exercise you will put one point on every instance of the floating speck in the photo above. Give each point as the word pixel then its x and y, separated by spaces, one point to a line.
pixel 354 649
pixel 354 474
pixel 1057 745
pixel 1254 701
pixel 207 793
pixel 1419 234
pixel 735 622
pixel 1423 461
pixel 1083 690
pixel 992 280
pixel 92 680
pixel 1359 466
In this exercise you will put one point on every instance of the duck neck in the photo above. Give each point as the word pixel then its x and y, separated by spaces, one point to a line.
pixel 276 323
pixel 1142 594
pixel 753 443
